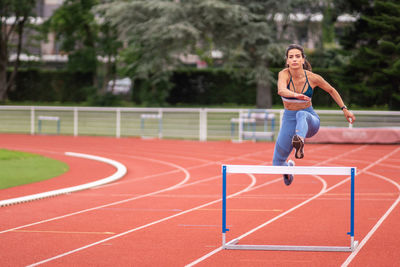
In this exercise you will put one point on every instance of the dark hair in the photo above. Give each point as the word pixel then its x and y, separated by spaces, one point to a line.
pixel 306 65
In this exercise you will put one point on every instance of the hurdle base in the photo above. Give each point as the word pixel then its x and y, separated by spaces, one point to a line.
pixel 150 137
pixel 289 248
pixel 234 246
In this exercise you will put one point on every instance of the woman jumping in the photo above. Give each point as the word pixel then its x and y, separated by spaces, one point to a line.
pixel 296 84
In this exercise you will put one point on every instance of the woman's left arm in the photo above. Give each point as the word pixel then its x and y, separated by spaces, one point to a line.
pixel 324 85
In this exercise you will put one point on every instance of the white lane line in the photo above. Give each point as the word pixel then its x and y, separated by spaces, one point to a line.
pixel 264 224
pixel 173 165
pixel 322 191
pixel 205 164
pixel 187 176
pixel 378 224
pixel 121 171
pixel 253 182
pixel 133 198
pixel 237 157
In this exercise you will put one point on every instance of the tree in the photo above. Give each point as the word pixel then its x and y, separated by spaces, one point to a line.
pixel 76 29
pixel 85 38
pixel 108 47
pixel 159 32
pixel 262 45
pixel 15 15
pixel 374 70
pixel 246 34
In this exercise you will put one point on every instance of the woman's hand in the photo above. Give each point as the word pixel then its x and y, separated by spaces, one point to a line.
pixel 302 97
pixel 349 116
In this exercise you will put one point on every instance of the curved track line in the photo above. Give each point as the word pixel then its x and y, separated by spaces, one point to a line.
pixel 144 226
pixel 206 160
pixel 199 207
pixel 378 224
pixel 187 176
pixel 121 171
pixel 125 200
pixel 179 168
pixel 206 163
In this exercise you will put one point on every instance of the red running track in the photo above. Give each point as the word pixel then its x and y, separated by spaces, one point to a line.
pixel 166 210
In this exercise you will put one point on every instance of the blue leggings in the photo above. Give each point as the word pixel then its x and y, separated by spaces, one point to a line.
pixel 304 123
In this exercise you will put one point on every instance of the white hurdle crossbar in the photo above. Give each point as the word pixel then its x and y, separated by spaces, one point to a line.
pixel 257 169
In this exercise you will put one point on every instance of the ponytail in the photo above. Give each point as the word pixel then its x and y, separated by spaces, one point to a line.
pixel 307 65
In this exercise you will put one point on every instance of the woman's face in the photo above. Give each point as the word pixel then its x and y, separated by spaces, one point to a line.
pixel 294 59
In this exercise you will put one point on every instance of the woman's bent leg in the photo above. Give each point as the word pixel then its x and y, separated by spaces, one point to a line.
pixel 307 124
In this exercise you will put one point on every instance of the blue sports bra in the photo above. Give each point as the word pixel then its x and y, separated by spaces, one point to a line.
pixel 309 92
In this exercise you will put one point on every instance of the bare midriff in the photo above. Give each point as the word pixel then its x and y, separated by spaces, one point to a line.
pixel 296 106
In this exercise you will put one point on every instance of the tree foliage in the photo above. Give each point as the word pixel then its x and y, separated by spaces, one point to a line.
pixel 160 32
pixel 84 38
pixel 15 16
pixel 374 71
pixel 260 45
pixel 76 30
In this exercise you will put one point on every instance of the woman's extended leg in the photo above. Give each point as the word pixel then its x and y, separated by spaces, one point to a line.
pixel 283 147
pixel 283 144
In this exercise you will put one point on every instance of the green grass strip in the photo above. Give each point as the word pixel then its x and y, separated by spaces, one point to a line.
pixel 18 168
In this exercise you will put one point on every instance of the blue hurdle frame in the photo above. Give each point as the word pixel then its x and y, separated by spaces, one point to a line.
pixel 282 170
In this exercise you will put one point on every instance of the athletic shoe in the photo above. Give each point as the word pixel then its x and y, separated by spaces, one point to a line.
pixel 298 144
pixel 288 178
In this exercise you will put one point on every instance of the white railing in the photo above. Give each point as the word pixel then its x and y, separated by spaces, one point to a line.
pixel 183 123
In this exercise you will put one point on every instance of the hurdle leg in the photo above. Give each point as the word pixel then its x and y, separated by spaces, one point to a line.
pixel 160 125
pixel 353 244
pixel 224 229
pixel 142 126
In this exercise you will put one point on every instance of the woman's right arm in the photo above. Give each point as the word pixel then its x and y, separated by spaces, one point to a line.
pixel 283 78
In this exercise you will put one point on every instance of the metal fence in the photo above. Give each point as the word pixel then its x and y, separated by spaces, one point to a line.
pixel 178 123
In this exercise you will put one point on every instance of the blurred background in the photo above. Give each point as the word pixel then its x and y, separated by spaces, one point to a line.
pixel 195 69
pixel 188 53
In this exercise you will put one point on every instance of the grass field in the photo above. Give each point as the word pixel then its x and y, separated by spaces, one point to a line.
pixel 18 168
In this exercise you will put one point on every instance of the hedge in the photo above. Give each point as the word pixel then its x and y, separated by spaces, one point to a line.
pixel 49 86
pixel 189 87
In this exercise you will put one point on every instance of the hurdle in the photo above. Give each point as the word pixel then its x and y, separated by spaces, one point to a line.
pixel 158 117
pixel 250 121
pixel 48 118
pixel 308 170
